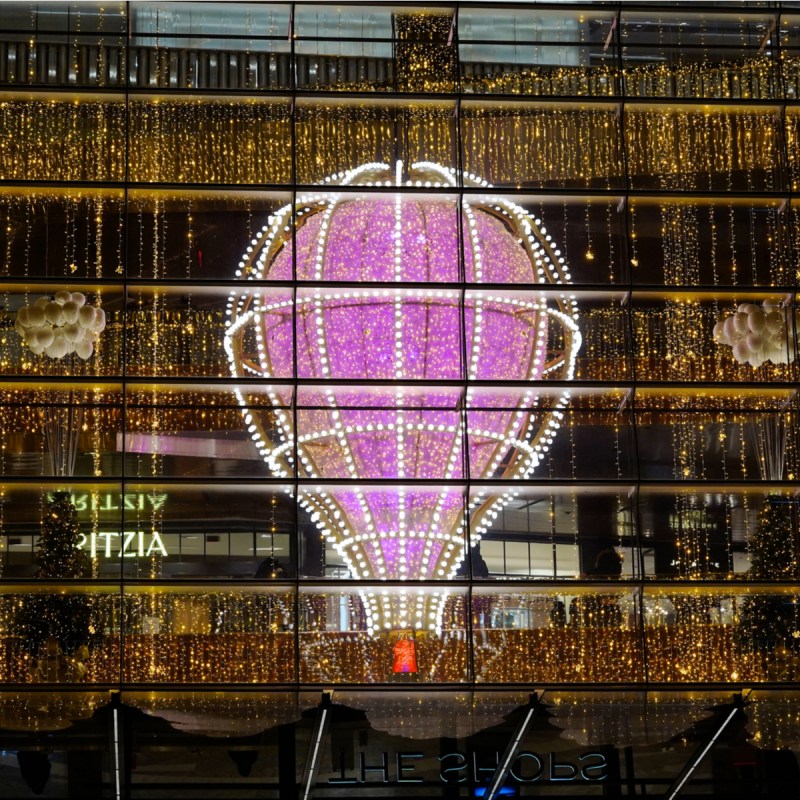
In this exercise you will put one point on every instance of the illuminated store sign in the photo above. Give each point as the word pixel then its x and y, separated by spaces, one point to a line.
pixel 133 544
pixel 454 767
pixel 110 501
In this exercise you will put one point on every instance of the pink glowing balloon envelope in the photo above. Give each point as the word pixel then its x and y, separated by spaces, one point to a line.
pixel 409 314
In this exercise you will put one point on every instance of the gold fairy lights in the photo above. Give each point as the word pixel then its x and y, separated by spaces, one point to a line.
pixel 691 139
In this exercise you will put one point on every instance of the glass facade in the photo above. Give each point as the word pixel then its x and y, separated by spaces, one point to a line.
pixel 429 355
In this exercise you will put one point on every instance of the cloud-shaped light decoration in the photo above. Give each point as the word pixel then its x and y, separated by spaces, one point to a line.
pixel 417 343
pixel 60 326
pixel 759 333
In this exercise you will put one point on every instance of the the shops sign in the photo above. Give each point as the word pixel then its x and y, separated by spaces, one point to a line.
pixel 457 766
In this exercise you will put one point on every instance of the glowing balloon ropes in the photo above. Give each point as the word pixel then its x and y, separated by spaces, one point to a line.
pixel 390 318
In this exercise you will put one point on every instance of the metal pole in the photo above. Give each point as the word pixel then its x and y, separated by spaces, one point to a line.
pixel 500 775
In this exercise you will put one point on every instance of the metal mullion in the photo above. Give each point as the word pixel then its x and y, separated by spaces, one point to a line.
pixel 396 96
pixel 544 484
pixel 632 426
pixel 464 382
pixel 500 189
pixel 724 585
pixel 600 385
pixel 124 354
pixel 232 37
pixel 652 45
pixel 778 71
pixel 469 631
pixel 295 448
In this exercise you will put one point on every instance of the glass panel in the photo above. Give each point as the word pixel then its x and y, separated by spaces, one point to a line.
pixel 215 720
pixel 59 430
pixel 699 336
pixel 521 636
pixel 179 332
pixel 409 437
pixel 567 435
pixel 63 44
pixel 193 140
pixel 194 46
pixel 61 333
pixel 318 21
pixel 371 636
pixel 714 242
pixel 375 334
pixel 65 17
pixel 198 432
pixel 350 236
pixel 382 532
pixel 50 59
pixel 716 533
pixel 198 19
pixel 743 635
pixel 195 235
pixel 693 55
pixel 54 530
pixel 191 635
pixel 681 149
pixel 567 532
pixel 209 531
pixel 338 136
pixel 583 235
pixel 743 434
pixel 579 145
pixel 365 65
pixel 61 140
pixel 563 52
pixel 378 49
pixel 64 635
pixel 77 234
pixel 219 714
pixel 522 336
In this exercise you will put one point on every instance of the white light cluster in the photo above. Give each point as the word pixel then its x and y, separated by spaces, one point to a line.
pixel 60 326
pixel 759 333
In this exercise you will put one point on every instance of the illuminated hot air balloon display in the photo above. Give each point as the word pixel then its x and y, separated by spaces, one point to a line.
pixel 388 324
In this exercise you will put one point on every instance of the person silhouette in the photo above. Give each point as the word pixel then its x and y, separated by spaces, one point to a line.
pixel 270 569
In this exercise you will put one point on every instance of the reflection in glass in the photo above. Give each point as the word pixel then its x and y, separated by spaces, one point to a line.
pixel 221 714
pixel 59 636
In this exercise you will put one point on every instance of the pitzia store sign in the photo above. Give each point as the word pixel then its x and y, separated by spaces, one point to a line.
pixel 131 544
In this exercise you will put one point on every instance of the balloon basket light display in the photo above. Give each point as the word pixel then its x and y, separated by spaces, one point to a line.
pixel 56 628
pixel 59 327
pixel 762 334
pixel 384 366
